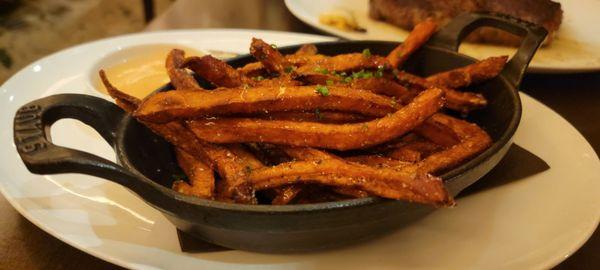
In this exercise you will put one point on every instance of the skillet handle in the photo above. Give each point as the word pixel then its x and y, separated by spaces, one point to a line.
pixel 31 131
pixel 450 36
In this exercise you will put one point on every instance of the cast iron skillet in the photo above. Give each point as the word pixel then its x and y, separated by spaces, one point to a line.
pixel 146 161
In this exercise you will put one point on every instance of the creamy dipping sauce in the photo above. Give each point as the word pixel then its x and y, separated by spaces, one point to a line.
pixel 142 71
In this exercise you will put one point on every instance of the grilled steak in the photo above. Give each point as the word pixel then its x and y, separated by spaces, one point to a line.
pixel 407 13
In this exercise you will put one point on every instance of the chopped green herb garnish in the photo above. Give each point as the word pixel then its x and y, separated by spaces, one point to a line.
pixel 343 74
pixel 321 70
pixel 258 78
pixel 318 114
pixel 322 90
pixel 288 69
pixel 347 79
pixel 366 52
pixel 367 75
pixel 273 46
pixel 329 82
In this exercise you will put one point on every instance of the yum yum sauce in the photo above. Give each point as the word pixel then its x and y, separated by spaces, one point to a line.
pixel 140 73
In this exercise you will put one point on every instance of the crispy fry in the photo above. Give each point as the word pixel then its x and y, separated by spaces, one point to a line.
pixel 286 194
pixel 180 78
pixel 437 133
pixel 351 192
pixel 473 140
pixel 316 116
pixel 168 106
pixel 404 184
pixel 417 37
pixel 270 57
pixel 344 63
pixel 455 100
pixel 311 154
pixel 381 86
pixel 214 70
pixel 201 176
pixel 471 74
pixel 306 49
pixel 329 136
pixel 414 151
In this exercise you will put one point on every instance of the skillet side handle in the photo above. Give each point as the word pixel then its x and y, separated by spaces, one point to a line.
pixel 31 131
pixel 450 36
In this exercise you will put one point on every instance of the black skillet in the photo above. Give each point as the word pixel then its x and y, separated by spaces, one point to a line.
pixel 146 162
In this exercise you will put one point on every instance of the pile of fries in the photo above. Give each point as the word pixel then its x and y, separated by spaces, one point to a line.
pixel 306 127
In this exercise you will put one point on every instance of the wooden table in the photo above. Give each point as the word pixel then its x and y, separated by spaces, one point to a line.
pixel 576 97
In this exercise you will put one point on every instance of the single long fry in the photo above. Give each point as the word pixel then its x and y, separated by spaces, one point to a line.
pixel 455 100
pixel 329 136
pixel 471 74
pixel 414 151
pixel 404 184
pixel 473 140
pixel 180 78
pixel 315 116
pixel 417 37
pixel 306 49
pixel 344 63
pixel 214 70
pixel 270 57
pixel 201 176
pixel 381 86
pixel 172 105
pixel 286 194
pixel 378 161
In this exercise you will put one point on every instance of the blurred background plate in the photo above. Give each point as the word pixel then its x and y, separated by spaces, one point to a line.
pixel 575 49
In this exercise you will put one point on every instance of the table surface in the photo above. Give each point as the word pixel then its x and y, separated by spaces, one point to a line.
pixel 576 97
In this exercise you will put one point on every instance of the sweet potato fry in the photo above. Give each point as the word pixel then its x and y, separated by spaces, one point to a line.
pixel 168 106
pixel 414 151
pixel 473 140
pixel 403 184
pixel 201 176
pixel 306 49
pixel 378 161
pixel 180 78
pixel 214 70
pixel 417 37
pixel 344 63
pixel 286 194
pixel 381 86
pixel 455 100
pixel 315 116
pixel 270 57
pixel 471 74
pixel 329 136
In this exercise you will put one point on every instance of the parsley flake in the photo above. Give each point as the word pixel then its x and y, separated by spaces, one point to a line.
pixel 258 78
pixel 329 82
pixel 366 52
pixel 322 90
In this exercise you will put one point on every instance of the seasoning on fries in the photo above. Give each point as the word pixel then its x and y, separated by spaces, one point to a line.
pixel 307 127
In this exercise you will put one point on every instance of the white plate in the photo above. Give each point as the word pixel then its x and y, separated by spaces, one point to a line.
pixel 532 223
pixel 575 49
